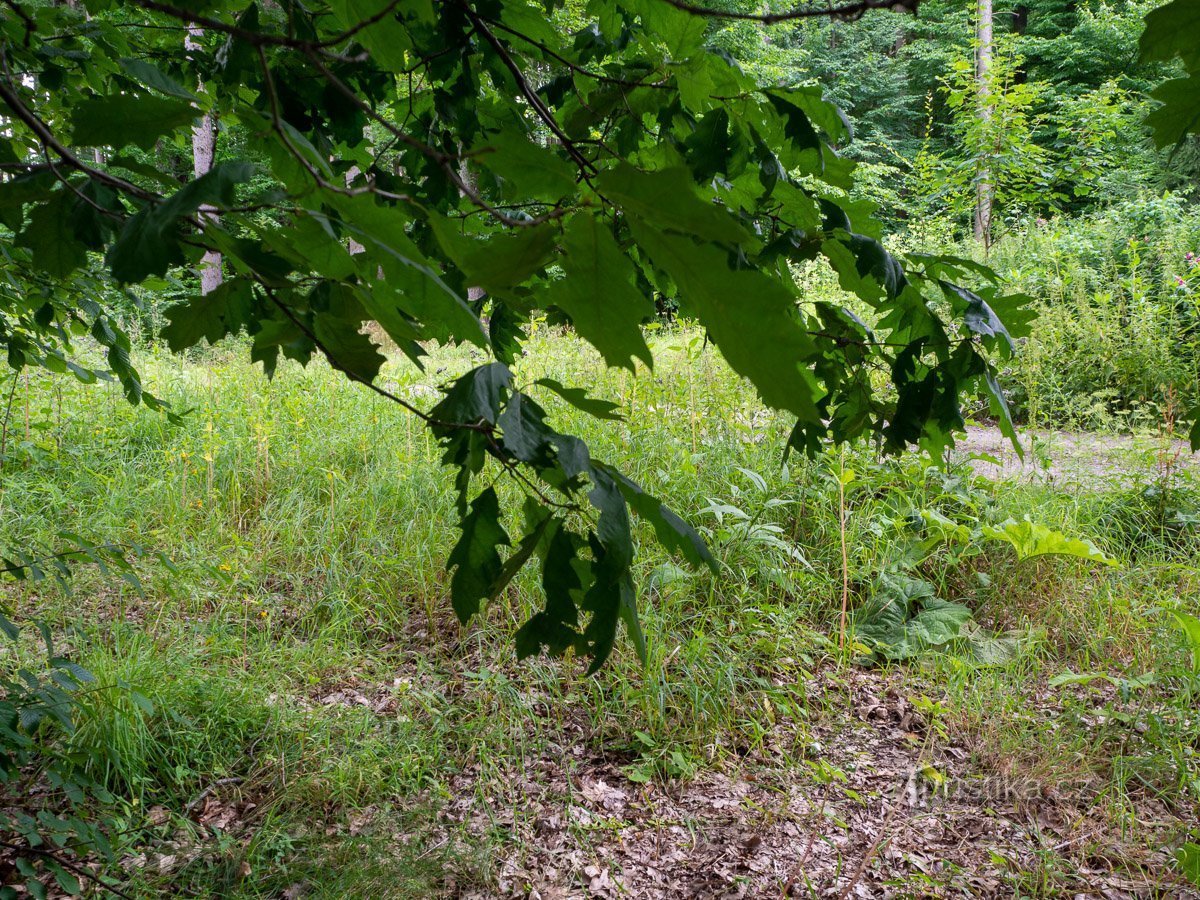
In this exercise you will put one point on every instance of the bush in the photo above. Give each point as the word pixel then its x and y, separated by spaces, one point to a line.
pixel 1117 341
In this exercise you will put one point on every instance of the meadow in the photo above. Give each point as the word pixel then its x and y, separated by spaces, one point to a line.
pixel 282 703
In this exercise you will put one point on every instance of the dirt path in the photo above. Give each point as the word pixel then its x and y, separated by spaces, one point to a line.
pixel 1074 457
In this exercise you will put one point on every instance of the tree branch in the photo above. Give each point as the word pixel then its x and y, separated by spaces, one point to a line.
pixel 530 94
pixel 846 12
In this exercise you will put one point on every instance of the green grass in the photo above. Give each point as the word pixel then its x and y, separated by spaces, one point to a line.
pixel 303 645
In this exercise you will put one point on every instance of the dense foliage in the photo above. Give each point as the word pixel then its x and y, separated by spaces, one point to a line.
pixel 445 170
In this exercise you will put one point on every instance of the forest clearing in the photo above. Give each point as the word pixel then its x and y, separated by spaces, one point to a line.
pixel 623 449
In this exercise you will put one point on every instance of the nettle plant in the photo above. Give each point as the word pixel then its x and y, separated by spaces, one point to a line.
pixel 450 169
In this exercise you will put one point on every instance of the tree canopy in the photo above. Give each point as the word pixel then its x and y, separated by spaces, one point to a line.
pixel 447 170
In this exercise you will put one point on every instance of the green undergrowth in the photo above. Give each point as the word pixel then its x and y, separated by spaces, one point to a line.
pixel 291 702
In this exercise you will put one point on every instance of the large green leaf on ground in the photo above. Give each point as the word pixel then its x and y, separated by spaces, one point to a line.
pixel 1031 540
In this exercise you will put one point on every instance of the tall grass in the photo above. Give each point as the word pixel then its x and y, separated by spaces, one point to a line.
pixel 302 645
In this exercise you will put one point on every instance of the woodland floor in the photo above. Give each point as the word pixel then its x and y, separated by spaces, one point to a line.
pixel 886 804
pixel 907 809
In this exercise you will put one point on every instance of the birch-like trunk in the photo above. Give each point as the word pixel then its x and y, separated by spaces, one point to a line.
pixel 985 190
pixel 204 148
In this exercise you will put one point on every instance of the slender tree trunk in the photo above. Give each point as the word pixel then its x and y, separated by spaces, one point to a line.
pixel 474 294
pixel 985 191
pixel 204 147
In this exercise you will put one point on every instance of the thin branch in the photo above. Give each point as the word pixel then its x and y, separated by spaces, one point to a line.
pixel 574 67
pixel 530 94
pixel 26 19
pixel 220 782
pixel 446 160
pixel 847 12
pixel 50 142
pixel 78 870
pixel 485 428
pixel 260 39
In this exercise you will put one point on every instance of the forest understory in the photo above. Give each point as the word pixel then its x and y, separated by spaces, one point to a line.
pixel 313 721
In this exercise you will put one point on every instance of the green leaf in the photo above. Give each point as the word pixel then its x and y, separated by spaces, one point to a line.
pixel 475 397
pixel 865 267
pixel 503 261
pixel 1084 678
pixel 505 332
pixel 680 31
pixel 385 39
pixel 311 242
pixel 599 293
pixel 529 543
pixel 347 348
pixel 1172 29
pixel 1031 540
pixel 667 199
pixel 122 119
pixel 938 623
pixel 750 316
pixel 555 626
pixel 50 235
pixel 713 147
pixel 822 113
pixel 1179 114
pixel 797 127
pixel 524 431
pixel 607 599
pixel 526 169
pixel 153 77
pixel 1190 626
pixel 475 560
pixel 578 398
pixel 998 404
pixel 1187 857
pixel 673 532
pixel 904 618
pixel 149 242
pixel 410 280
pixel 210 316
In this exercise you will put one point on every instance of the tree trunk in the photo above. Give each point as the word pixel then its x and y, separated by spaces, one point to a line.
pixel 985 191
pixel 204 147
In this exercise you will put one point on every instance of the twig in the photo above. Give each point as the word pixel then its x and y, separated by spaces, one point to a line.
pixel 260 39
pixel 26 19
pixel 7 415
pixel 445 160
pixel 883 838
pixel 574 67
pixel 220 782
pixel 39 128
